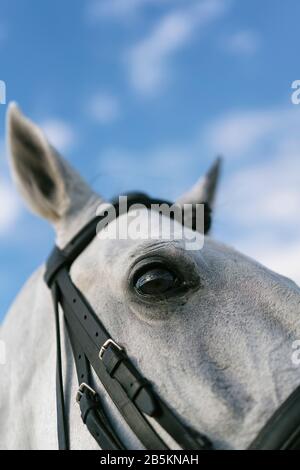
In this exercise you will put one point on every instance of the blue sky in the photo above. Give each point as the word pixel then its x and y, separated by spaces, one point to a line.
pixel 142 94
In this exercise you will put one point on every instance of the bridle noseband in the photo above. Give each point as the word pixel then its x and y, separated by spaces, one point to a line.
pixel 133 395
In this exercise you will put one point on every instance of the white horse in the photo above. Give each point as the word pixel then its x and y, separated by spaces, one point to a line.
pixel 219 355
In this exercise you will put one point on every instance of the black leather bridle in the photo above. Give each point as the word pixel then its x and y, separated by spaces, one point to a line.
pixel 93 347
pixel 133 395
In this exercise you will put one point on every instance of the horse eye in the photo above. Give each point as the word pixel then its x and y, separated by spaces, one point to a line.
pixel 156 281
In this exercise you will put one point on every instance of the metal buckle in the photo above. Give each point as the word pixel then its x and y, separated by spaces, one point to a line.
pixel 105 346
pixel 81 390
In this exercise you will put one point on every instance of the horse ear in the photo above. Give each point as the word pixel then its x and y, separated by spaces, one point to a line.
pixel 49 185
pixel 204 191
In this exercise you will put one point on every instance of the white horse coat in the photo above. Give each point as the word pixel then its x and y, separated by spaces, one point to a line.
pixel 220 355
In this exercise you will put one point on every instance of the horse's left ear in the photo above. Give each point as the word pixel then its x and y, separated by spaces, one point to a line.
pixel 51 188
pixel 204 191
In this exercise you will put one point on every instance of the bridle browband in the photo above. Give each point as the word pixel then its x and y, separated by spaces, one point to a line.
pixel 133 395
pixel 93 347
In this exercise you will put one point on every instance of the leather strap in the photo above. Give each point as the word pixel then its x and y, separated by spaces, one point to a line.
pixel 62 426
pixel 282 431
pixel 92 412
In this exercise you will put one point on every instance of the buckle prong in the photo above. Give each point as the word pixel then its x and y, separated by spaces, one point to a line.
pixel 80 391
pixel 106 345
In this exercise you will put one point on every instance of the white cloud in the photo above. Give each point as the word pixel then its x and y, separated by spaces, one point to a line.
pixel 265 195
pixel 148 60
pixel 243 43
pixel 237 134
pixel 59 133
pixel 104 108
pixel 10 207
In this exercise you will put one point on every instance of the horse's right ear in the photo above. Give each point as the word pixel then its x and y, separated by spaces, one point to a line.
pixel 47 183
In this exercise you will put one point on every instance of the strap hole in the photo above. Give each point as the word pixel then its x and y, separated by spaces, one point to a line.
pixel 85 317
pixel 96 333
pixel 82 376
pixel 74 301
pixel 79 357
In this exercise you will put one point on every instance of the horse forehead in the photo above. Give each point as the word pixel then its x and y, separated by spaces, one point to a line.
pixel 107 254
pixel 120 243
